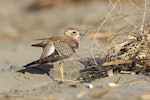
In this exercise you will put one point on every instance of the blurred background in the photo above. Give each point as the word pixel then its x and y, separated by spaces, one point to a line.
pixel 22 21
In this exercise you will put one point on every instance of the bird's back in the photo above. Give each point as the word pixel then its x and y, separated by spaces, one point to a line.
pixel 65 45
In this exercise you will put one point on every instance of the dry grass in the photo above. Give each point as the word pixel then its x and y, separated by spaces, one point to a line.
pixel 130 48
pixel 141 32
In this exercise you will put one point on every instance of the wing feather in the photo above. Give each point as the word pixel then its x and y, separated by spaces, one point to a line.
pixel 48 50
pixel 41 44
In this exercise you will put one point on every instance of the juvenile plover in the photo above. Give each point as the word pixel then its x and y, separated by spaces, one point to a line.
pixel 57 48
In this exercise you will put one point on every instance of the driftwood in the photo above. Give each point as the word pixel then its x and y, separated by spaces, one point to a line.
pixel 121 62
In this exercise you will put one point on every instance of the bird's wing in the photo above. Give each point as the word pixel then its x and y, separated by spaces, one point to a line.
pixel 61 44
pixel 41 44
pixel 48 49
pixel 42 39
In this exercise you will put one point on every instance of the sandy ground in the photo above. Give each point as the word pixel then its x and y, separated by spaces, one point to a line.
pixel 19 28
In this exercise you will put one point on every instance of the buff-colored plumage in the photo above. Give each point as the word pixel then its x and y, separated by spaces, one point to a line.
pixel 57 48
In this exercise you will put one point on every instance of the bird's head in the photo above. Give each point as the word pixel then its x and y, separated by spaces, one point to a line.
pixel 72 32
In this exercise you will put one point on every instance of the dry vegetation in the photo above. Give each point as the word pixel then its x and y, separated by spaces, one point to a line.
pixel 130 51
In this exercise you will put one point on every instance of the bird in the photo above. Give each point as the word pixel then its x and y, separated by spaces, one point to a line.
pixel 57 48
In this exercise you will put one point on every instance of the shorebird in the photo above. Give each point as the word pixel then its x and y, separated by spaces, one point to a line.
pixel 57 48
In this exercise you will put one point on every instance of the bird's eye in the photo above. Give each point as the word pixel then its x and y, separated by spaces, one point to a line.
pixel 73 32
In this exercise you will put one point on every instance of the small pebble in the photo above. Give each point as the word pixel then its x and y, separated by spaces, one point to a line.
pixel 112 84
pixel 90 86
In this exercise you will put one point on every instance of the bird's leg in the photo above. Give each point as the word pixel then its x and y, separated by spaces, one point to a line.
pixel 61 70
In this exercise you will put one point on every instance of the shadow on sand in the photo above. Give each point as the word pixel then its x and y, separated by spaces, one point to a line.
pixel 40 69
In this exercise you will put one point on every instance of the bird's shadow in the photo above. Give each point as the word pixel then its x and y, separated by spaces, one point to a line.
pixel 40 69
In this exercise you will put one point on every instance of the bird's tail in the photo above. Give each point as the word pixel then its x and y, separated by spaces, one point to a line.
pixel 32 64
